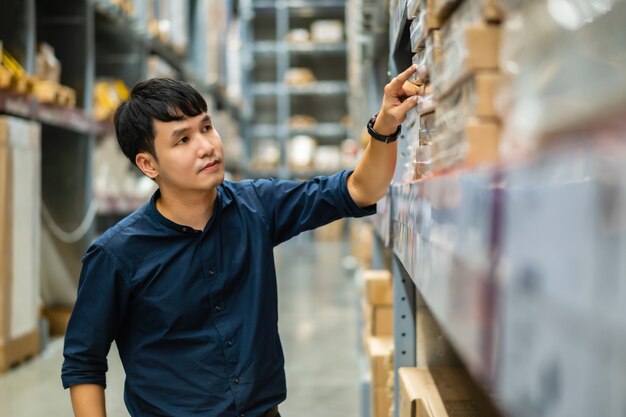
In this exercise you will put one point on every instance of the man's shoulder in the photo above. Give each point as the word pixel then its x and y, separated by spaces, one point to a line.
pixel 116 238
pixel 247 189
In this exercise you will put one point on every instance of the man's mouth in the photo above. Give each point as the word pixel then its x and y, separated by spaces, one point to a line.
pixel 211 165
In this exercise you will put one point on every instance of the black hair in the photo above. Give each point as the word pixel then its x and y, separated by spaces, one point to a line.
pixel 162 99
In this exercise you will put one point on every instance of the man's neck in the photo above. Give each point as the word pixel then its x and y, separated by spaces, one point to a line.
pixel 192 210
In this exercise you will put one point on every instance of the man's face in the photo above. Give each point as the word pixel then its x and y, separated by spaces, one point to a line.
pixel 190 155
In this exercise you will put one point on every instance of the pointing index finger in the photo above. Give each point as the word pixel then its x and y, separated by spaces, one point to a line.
pixel 404 76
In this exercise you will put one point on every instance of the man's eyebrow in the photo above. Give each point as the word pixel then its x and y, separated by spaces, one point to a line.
pixel 179 132
pixel 182 130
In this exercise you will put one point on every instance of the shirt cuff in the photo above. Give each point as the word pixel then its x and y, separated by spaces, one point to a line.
pixel 353 209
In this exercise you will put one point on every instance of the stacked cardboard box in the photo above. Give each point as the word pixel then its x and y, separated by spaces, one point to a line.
pixel 377 303
pixel 361 241
pixel 19 240
pixel 380 353
pixel 441 392
pixel 332 232
pixel 456 45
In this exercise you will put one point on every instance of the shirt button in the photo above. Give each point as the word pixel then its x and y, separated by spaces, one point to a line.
pixel 229 342
pixel 236 381
pixel 211 272
pixel 242 415
pixel 218 308
pixel 184 229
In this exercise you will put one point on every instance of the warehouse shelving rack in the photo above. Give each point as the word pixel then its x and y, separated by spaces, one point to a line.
pixel 91 38
pixel 267 56
pixel 522 265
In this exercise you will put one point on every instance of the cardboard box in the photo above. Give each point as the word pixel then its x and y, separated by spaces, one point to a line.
pixel 490 9
pixel 361 241
pixel 20 196
pixel 477 48
pixel 381 403
pixel 378 350
pixel 58 318
pixel 378 320
pixel 441 392
pixel 331 232
pixel 378 287
pixel 483 141
pixel 432 347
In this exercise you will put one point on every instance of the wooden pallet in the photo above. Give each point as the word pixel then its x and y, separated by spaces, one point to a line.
pixel 14 352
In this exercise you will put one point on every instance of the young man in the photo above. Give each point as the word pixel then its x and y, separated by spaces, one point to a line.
pixel 186 285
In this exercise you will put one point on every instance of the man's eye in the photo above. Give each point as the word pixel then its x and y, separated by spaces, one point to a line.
pixel 206 128
pixel 183 140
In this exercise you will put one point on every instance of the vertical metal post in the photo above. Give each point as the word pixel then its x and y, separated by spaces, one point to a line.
pixel 282 95
pixel 403 324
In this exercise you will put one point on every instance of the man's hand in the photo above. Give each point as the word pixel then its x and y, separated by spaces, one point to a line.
pixel 373 173
pixel 400 97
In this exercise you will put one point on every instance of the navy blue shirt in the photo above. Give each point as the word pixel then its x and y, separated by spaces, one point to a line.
pixel 194 313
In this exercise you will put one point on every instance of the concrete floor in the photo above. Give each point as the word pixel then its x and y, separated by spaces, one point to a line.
pixel 318 324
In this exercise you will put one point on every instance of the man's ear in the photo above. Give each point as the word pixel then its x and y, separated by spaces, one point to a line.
pixel 147 164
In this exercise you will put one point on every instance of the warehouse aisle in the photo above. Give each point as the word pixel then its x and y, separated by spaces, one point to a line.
pixel 318 328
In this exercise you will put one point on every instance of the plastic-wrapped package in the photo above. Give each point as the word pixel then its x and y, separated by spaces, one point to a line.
pixel 327 31
pixel 476 142
pixel 266 154
pixel 567 72
pixel 420 77
pixel 474 97
pixel 466 44
pixel 422 25
pixel 412 8
pixel 301 152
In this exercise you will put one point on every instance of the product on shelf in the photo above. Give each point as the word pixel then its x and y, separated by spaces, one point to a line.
pixel 108 93
pixel 327 31
pixel 424 23
pixel 168 22
pixel 118 186
pixel 490 9
pixel 47 66
pixel 299 76
pixel 299 121
pixel 20 240
pixel 300 152
pixel 157 67
pixel 51 92
pixel 379 350
pixel 5 75
pixel 265 154
pixel 468 45
pixel 475 97
pixel 412 8
pixel 566 74
pixel 298 36
pixel 327 158
pixel 20 81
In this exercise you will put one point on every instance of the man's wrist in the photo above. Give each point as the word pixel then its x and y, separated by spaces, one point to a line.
pixel 382 125
pixel 381 135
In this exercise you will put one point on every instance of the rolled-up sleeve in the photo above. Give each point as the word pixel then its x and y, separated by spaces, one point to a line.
pixel 296 206
pixel 103 292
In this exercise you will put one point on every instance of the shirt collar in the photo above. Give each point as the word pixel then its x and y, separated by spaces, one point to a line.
pixel 223 199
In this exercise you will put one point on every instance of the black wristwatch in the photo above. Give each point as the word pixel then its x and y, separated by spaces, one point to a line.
pixel 387 139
